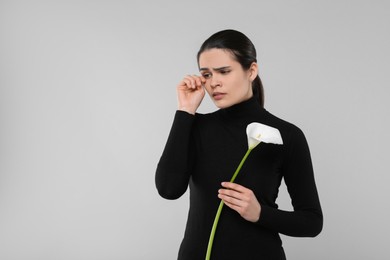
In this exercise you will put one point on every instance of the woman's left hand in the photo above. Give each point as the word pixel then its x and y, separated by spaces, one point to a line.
pixel 240 199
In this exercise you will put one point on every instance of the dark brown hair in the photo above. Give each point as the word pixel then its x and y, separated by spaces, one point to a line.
pixel 242 50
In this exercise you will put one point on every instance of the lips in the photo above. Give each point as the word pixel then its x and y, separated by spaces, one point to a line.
pixel 218 95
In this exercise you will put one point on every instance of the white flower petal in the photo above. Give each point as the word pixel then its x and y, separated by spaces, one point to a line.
pixel 257 133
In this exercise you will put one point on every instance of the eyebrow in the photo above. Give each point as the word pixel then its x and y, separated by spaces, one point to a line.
pixel 217 69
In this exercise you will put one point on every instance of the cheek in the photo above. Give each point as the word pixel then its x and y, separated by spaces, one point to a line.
pixel 244 83
pixel 207 87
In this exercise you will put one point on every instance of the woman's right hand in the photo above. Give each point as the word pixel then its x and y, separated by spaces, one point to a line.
pixel 190 93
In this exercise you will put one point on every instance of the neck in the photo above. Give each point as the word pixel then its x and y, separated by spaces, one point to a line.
pixel 245 108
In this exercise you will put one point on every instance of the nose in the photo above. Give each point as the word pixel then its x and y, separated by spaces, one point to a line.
pixel 214 82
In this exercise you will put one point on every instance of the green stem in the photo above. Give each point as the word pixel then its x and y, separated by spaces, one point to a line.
pixel 240 165
pixel 214 228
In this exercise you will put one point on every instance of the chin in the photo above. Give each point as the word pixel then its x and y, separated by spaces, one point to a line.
pixel 222 105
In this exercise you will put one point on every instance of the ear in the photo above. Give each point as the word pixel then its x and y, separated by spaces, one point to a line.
pixel 253 71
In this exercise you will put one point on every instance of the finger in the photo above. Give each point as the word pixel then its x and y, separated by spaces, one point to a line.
pixel 190 79
pixel 237 198
pixel 195 80
pixel 183 82
pixel 230 200
pixel 230 193
pixel 234 186
pixel 233 206
pixel 188 83
pixel 203 79
pixel 198 80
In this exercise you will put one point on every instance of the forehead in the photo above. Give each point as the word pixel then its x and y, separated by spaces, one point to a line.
pixel 215 58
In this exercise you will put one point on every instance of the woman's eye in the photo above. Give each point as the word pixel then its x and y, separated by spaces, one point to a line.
pixel 225 71
pixel 206 75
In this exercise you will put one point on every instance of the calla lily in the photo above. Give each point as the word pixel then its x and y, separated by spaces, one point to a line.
pixel 256 134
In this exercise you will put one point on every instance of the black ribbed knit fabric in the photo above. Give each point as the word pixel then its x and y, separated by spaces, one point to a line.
pixel 205 149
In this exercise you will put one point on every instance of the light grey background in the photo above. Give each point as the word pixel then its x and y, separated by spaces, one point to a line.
pixel 87 97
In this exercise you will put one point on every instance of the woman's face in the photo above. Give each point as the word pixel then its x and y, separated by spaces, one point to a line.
pixel 227 83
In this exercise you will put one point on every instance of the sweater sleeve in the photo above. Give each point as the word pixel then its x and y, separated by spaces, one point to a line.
pixel 306 220
pixel 173 169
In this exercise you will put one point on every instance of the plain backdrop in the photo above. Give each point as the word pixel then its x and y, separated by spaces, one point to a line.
pixel 87 98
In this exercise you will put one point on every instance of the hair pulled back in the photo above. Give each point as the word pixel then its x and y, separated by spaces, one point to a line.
pixel 242 50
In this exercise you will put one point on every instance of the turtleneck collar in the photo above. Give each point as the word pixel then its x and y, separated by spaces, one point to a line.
pixel 248 108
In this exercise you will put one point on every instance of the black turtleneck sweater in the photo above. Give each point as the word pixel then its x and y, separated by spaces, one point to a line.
pixel 205 149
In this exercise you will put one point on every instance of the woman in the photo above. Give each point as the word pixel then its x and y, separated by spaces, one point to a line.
pixel 203 150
